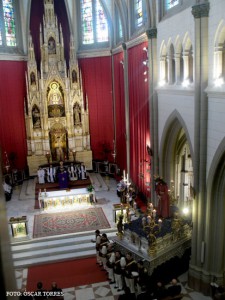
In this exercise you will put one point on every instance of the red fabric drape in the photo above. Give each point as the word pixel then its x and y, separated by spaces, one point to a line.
pixel 12 124
pixel 121 157
pixel 139 117
pixel 97 87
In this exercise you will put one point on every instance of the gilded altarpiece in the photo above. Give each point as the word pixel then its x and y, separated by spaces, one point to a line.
pixel 57 118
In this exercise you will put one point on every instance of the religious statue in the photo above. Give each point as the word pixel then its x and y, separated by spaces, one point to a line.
pixel 59 143
pixel 36 118
pixel 163 198
pixel 76 115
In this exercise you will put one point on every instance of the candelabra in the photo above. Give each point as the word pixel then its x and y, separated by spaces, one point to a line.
pixel 48 156
pixel 120 226
pixel 177 226
pixel 74 154
pixel 152 227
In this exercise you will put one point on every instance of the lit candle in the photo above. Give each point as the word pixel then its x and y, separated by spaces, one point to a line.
pixel 148 219
pixel 154 213
pixel 124 174
pixel 160 223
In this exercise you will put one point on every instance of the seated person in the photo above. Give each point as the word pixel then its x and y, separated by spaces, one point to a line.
pixel 174 289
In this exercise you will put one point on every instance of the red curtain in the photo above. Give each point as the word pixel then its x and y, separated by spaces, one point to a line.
pixel 139 118
pixel 121 158
pixel 12 124
pixel 97 87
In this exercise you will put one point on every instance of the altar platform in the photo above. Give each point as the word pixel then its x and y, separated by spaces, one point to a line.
pixel 50 187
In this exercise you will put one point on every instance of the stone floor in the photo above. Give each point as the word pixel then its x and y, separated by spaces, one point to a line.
pixel 22 203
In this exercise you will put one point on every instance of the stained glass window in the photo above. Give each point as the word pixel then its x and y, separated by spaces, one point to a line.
pixel 9 22
pixel 87 22
pixel 120 28
pixel 101 23
pixel 171 3
pixel 138 13
pixel 0 36
pixel 94 22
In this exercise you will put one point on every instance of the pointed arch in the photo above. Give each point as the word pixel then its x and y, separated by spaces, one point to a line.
pixel 215 211
pixel 172 128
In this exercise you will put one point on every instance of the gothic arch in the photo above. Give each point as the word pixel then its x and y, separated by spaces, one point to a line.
pixel 172 128
pixel 215 233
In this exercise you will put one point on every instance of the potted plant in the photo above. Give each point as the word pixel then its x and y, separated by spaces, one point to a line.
pixel 90 190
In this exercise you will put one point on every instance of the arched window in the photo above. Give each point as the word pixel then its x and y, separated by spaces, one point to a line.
pixel 118 26
pixel 7 24
pixel 94 23
pixel 170 4
pixel 140 15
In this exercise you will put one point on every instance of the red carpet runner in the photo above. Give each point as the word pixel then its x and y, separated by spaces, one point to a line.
pixel 66 274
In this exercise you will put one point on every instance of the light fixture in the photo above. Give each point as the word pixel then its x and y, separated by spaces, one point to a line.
pixel 162 82
pixel 219 81
pixel 185 211
pixel 186 83
pixel 145 62
pixel 145 49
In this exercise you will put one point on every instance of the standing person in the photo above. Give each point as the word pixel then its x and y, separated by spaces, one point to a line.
pixel 159 291
pixel 97 242
pixel 142 279
pixel 7 189
pixel 131 266
pixel 110 261
pixel 41 175
pixel 103 250
pixel 118 271
pixel 78 171
pixel 40 292
pixel 83 171
pixel 72 172
pixel 56 289
pixel 51 174
pixel 174 289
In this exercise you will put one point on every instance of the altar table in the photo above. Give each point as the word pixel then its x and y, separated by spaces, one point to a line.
pixel 62 198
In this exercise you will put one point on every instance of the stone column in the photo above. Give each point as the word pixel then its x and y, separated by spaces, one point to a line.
pixel 177 66
pixel 196 269
pixel 127 116
pixel 153 105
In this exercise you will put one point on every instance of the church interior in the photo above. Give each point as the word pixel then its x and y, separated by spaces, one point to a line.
pixel 116 111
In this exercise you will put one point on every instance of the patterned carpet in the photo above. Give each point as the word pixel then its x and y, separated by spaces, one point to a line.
pixel 69 222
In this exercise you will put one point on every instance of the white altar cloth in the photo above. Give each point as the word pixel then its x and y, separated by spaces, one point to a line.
pixel 63 198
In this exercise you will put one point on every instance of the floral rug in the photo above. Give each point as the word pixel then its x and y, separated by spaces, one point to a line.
pixel 69 222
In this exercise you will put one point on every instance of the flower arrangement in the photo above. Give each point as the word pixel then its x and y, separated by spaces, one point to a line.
pixel 90 188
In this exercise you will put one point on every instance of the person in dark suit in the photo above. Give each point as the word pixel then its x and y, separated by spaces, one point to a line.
pixel 159 291
pixel 174 289
pixel 40 293
pixel 144 294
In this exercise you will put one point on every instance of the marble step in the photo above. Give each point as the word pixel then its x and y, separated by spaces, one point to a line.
pixel 53 258
pixel 55 249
